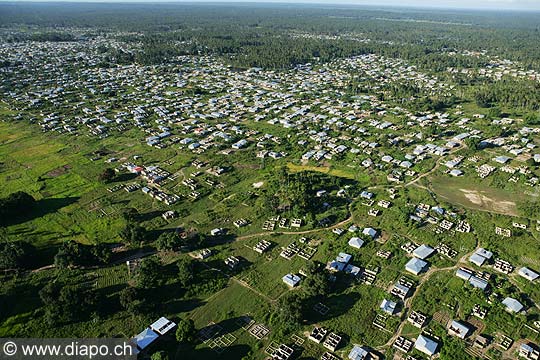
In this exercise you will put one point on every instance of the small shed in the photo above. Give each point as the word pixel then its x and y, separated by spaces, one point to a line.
pixel 528 274
pixel 291 280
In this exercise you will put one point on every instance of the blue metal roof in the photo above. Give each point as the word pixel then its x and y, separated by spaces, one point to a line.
pixel 512 305
pixel 426 345
pixel 423 251
pixel 415 265
pixel 358 353
pixel 478 283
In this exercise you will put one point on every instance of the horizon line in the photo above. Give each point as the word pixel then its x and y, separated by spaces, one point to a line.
pixel 353 3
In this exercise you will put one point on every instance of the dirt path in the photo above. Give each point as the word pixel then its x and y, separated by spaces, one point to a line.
pixel 239 282
pixel 408 301
pixel 138 255
pixel 414 182
pixel 247 286
pixel 339 224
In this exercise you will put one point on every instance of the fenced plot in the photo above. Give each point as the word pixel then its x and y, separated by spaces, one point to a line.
pixel 297 340
pixel 307 253
pixel 221 343
pixel 111 276
pixel 259 331
pixel 504 342
pixel 321 309
pixel 380 321
pixel 209 332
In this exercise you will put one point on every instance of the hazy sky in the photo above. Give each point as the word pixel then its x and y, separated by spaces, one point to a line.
pixel 533 5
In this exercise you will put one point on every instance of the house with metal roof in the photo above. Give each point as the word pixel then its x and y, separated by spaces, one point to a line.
pixel 416 266
pixel 356 242
pixel 352 270
pixel 528 274
pixel 485 253
pixel 162 325
pixel 366 194
pixel 388 306
pixel 480 256
pixel 529 351
pixel 423 251
pixel 144 339
pixel 343 258
pixel 512 305
pixel 358 353
pixel 340 263
pixel 464 274
pixel 406 164
pixel 456 172
pixel 401 290
pixel 336 266
pixel 478 283
pixel 426 345
pixel 502 159
pixel 370 232
pixel 459 329
pixel 291 280
pixel 475 281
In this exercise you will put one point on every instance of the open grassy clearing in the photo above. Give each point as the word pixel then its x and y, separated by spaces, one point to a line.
pixel 225 308
pixel 323 169
pixel 461 191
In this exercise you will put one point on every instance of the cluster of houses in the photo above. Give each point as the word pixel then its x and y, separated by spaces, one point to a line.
pixel 495 68
pixel 327 126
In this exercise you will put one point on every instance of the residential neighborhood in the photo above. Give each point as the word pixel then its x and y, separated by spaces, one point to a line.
pixel 376 200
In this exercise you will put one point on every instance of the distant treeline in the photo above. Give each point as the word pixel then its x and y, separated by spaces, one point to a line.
pixel 258 35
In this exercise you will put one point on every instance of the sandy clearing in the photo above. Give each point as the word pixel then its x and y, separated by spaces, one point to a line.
pixel 479 199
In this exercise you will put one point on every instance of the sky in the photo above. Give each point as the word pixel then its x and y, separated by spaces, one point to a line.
pixel 532 5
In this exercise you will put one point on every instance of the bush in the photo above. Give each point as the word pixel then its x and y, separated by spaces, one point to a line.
pixel 14 205
pixel 16 254
pixel 107 175
pixel 185 331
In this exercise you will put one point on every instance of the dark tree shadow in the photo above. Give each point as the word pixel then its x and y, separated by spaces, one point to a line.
pixel 338 305
pixel 39 209
pixel 124 177
pixel 219 240
pixel 232 352
pixel 155 233
pixel 181 306
pixel 149 215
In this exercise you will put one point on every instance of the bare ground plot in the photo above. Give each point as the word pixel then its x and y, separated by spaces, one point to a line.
pixel 476 196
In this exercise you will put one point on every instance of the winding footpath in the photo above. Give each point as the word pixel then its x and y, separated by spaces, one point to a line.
pixel 461 262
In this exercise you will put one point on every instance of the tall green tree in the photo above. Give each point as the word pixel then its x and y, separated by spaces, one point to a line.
pixel 149 273
pixel 185 331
